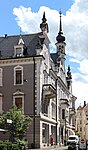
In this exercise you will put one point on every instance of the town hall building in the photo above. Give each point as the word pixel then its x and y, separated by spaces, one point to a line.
pixel 36 80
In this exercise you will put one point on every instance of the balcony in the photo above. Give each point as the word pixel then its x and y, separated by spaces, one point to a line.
pixel 64 101
pixel 49 90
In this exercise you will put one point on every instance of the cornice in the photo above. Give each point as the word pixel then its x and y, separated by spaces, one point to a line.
pixel 10 61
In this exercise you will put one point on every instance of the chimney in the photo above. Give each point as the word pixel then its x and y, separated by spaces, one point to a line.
pixel 84 103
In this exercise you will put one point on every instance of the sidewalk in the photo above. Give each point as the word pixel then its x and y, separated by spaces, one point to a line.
pixel 52 148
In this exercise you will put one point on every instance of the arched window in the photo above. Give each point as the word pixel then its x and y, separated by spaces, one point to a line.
pixel 18 75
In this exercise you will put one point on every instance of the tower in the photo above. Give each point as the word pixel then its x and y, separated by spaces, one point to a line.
pixel 61 51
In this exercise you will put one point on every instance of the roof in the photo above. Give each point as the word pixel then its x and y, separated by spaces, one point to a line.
pixel 86 109
pixel 54 57
pixel 7 44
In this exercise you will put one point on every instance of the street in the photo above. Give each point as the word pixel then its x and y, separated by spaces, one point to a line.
pixel 53 148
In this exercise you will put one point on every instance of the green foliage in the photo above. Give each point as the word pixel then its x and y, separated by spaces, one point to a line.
pixel 18 145
pixel 3 146
pixel 22 144
pixel 19 124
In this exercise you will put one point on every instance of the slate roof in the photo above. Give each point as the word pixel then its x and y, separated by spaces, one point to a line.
pixel 7 44
pixel 54 57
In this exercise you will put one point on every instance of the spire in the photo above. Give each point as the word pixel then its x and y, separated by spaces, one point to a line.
pixel 44 25
pixel 60 38
pixel 60 30
pixel 69 73
pixel 69 77
pixel 44 18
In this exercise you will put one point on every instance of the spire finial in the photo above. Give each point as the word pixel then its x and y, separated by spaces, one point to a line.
pixel 60 30
pixel 44 25
pixel 60 38
pixel 69 73
pixel 44 18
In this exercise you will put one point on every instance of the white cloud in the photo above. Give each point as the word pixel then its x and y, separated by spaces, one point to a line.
pixel 75 29
pixel 84 66
pixel 30 21
pixel 80 88
pixel 74 60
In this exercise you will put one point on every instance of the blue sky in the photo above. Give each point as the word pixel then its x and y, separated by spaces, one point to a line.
pixel 27 15
pixel 9 25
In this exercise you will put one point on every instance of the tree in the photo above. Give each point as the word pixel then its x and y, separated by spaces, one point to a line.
pixel 18 125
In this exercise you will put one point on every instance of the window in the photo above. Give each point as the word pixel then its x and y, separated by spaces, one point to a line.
pixel 45 108
pixel 18 102
pixel 53 110
pixel 18 75
pixel 18 99
pixel 63 113
pixel 0 76
pixel 19 51
pixel 19 48
pixel 80 129
pixel 45 77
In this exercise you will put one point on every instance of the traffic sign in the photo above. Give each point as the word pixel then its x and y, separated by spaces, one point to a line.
pixel 82 144
pixel 82 141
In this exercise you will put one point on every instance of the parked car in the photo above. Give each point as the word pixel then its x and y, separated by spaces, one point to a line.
pixel 73 139
pixel 73 146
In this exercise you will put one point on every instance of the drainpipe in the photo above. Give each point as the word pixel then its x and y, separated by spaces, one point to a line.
pixel 56 112
pixel 34 104
pixel 65 133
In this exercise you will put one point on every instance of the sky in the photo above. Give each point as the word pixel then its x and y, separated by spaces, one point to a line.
pixel 25 16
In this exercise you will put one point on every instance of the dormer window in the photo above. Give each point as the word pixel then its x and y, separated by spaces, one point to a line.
pixel 19 51
pixel 19 48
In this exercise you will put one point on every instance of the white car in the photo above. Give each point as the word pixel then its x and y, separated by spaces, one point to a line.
pixel 73 139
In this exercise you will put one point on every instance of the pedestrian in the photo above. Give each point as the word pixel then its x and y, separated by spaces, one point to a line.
pixel 51 140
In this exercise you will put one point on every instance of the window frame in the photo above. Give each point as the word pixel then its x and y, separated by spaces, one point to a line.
pixel 19 94
pixel 18 68
pixel 21 49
